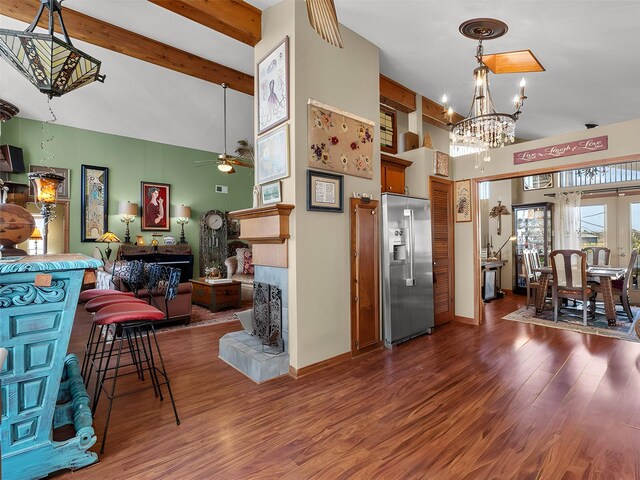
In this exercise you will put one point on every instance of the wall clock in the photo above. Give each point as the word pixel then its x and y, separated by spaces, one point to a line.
pixel 213 241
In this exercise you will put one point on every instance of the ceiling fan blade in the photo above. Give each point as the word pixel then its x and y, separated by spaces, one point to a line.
pixel 520 61
pixel 324 20
pixel 239 162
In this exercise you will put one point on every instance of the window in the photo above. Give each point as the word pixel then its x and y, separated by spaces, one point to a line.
pixel 635 242
pixel 388 127
pixel 623 172
pixel 592 226
pixel 484 190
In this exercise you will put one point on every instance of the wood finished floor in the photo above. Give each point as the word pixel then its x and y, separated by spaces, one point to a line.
pixel 504 400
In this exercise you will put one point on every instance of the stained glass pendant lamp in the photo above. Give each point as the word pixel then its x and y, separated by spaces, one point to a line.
pixel 51 63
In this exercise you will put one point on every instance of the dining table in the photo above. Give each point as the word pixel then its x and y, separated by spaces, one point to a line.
pixel 601 273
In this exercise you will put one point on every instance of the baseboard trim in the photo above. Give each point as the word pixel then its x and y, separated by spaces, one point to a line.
pixel 316 367
pixel 467 320
pixel 367 350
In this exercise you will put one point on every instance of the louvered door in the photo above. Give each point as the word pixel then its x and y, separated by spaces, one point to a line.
pixel 441 194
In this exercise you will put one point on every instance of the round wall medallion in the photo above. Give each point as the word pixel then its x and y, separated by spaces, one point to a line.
pixel 483 28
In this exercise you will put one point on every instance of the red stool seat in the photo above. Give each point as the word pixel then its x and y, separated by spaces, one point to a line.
pixel 87 295
pixel 99 303
pixel 127 312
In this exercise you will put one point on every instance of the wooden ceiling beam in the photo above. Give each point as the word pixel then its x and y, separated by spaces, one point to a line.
pixel 397 96
pixel 105 35
pixel 234 18
pixel 432 114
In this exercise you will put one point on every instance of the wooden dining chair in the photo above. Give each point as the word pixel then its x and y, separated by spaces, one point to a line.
pixel 570 280
pixel 620 288
pixel 597 256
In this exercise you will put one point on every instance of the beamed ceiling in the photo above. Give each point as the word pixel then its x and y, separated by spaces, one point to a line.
pixel 164 60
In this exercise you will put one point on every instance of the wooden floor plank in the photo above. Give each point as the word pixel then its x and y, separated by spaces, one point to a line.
pixel 503 400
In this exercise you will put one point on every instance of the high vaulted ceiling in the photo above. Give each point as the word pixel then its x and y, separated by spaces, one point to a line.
pixel 587 47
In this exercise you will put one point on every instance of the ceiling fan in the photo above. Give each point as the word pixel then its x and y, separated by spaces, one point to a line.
pixel 519 61
pixel 244 149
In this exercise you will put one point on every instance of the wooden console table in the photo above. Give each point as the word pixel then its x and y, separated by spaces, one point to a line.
pixel 216 296
pixel 41 385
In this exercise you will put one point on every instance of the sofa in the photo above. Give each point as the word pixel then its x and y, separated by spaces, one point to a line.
pixel 239 267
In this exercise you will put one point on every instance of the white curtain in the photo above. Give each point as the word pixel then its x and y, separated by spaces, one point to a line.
pixel 566 220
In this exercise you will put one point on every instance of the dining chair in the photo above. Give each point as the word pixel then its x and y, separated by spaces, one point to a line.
pixel 570 280
pixel 620 288
pixel 597 255
pixel 531 278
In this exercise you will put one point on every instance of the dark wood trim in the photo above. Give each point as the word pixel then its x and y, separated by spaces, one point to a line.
pixel 235 18
pixel 316 367
pixel 367 350
pixel 466 320
pixel 432 114
pixel 88 29
pixel 398 161
pixel 397 96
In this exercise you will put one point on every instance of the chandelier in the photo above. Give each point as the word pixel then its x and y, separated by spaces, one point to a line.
pixel 53 65
pixel 484 128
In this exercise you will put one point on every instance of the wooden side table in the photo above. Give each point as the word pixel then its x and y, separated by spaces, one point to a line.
pixel 216 296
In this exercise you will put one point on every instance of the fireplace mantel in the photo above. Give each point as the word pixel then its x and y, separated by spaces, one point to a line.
pixel 267 229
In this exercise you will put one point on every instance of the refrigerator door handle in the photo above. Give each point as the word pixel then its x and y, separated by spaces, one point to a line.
pixel 410 282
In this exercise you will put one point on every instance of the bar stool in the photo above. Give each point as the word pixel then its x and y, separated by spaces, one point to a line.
pixel 130 274
pixel 134 322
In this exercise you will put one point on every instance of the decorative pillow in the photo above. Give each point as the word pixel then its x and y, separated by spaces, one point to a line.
pixel 248 262
pixel 240 257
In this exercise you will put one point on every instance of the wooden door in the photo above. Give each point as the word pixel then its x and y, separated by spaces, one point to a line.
pixel 394 178
pixel 365 252
pixel 441 194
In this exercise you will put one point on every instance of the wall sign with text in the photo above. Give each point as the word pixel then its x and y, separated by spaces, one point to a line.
pixel 589 145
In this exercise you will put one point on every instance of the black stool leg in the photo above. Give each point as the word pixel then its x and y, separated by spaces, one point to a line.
pixel 164 372
pixel 113 388
pixel 147 354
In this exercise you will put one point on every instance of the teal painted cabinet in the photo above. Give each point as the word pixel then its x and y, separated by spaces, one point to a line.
pixel 41 386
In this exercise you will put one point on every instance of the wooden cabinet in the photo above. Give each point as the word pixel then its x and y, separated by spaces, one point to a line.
pixel 216 296
pixel 392 173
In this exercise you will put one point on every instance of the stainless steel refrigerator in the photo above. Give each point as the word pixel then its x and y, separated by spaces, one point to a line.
pixel 407 269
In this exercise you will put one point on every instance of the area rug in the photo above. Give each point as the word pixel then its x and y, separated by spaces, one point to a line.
pixel 202 317
pixel 599 326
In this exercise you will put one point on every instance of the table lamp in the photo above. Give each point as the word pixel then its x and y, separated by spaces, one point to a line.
pixel 498 211
pixel 35 236
pixel 46 192
pixel 108 238
pixel 183 213
pixel 129 212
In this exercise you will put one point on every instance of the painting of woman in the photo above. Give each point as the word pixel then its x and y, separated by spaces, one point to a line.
pixel 155 201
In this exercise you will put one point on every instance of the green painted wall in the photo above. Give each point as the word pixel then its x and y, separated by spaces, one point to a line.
pixel 130 161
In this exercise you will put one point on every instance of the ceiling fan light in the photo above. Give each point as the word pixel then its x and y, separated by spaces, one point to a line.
pixel 225 167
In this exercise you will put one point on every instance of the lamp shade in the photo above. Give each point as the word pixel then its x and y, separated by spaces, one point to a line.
pixel 46 184
pixel 128 208
pixel 36 235
pixel 183 212
pixel 108 237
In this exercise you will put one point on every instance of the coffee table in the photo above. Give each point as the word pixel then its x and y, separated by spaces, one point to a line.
pixel 216 296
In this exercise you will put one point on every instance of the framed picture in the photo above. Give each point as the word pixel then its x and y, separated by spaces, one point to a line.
pixel 272 155
pixel 441 164
pixel 271 192
pixel 273 88
pixel 63 189
pixel 324 192
pixel 339 141
pixel 94 202
pixel 155 200
pixel 538 182
pixel 464 206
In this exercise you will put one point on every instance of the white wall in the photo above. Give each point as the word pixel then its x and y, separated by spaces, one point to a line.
pixel 319 287
pixel 623 141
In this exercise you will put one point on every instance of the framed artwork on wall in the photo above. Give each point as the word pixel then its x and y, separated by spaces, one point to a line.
pixel 271 192
pixel 441 164
pixel 273 88
pixel 324 192
pixel 94 202
pixel 272 155
pixel 155 201
pixel 63 189
pixel 464 207
pixel 339 141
